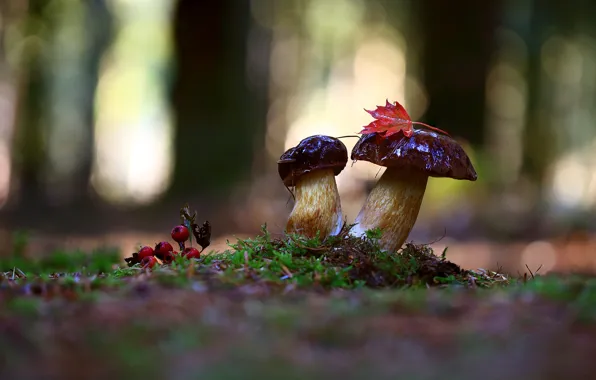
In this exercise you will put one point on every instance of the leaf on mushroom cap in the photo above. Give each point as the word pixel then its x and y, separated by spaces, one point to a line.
pixel 433 153
pixel 392 119
pixel 313 153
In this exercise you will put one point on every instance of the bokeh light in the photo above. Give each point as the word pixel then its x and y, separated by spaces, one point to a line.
pixel 133 131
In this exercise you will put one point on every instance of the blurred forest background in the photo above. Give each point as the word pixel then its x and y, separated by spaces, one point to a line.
pixel 114 113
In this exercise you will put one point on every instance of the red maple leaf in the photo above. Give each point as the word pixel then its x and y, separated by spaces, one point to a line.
pixel 391 119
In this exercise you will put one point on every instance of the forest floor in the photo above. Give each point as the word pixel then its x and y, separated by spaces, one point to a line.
pixel 291 308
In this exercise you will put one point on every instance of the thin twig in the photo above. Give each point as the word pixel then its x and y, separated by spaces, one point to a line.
pixel 531 274
pixel 343 231
pixel 291 193
pixel 246 267
pixel 439 239
pixel 286 271
pixel 376 175
pixel 536 271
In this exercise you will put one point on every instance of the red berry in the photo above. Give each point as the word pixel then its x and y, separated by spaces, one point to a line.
pixel 169 257
pixel 144 252
pixel 191 253
pixel 148 262
pixel 180 234
pixel 162 249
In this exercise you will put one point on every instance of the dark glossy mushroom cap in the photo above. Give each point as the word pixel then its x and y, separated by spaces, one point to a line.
pixel 433 153
pixel 313 153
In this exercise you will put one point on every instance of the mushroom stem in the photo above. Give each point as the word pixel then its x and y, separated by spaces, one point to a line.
pixel 393 206
pixel 317 206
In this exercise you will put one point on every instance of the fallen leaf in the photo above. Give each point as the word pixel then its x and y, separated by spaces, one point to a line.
pixel 391 119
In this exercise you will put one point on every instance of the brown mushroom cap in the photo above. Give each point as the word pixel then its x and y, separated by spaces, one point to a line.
pixel 313 153
pixel 433 153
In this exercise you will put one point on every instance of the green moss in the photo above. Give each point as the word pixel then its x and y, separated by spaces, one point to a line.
pixel 576 291
pixel 98 261
pixel 24 306
pixel 338 262
pixel 341 261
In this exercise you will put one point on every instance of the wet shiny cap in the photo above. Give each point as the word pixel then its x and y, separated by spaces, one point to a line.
pixel 313 153
pixel 433 153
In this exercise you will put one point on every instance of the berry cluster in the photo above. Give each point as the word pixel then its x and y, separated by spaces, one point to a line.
pixel 164 253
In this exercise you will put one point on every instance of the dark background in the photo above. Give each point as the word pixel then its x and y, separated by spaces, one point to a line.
pixel 113 114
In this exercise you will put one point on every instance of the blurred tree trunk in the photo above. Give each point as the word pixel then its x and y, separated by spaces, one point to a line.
pixel 219 117
pixel 56 98
pixel 29 150
pixel 99 23
pixel 458 41
pixel 544 136
pixel 7 108
pixel 73 77
pixel 539 150
pixel 560 32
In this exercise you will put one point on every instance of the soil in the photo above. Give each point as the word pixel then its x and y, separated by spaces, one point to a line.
pixel 151 331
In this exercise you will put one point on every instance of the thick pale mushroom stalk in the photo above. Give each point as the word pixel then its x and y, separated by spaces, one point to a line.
pixel 393 206
pixel 310 168
pixel 317 207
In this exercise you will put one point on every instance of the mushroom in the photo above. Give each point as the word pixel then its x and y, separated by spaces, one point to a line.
pixel 311 167
pixel 394 202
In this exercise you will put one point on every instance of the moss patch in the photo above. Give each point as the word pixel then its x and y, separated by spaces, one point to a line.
pixel 262 263
pixel 342 261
